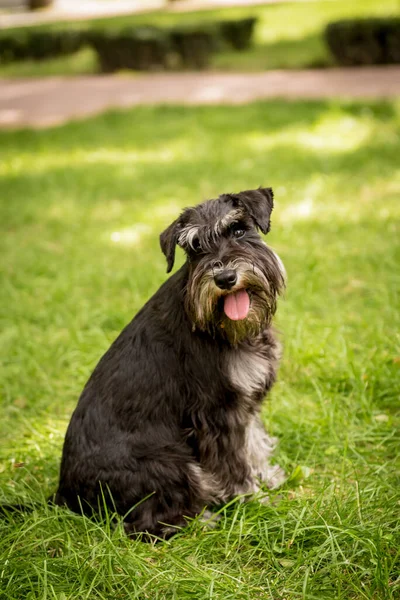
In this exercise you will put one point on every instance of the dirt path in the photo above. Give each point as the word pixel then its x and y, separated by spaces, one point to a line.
pixel 55 100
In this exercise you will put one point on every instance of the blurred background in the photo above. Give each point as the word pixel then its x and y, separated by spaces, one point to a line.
pixel 90 36
pixel 113 117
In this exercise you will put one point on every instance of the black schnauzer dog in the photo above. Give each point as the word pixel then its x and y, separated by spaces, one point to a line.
pixel 169 421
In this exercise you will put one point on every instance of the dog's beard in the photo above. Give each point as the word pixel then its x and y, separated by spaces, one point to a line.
pixel 205 301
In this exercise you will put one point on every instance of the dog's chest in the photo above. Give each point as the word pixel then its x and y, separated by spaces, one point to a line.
pixel 248 369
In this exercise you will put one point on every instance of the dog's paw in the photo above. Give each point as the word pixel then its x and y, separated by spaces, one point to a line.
pixel 274 477
pixel 209 519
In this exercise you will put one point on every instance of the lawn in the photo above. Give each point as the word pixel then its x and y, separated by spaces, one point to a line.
pixel 81 209
pixel 288 35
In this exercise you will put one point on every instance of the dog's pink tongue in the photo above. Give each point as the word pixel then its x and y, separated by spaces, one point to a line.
pixel 236 305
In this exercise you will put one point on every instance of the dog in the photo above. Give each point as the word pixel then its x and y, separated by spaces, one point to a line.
pixel 169 421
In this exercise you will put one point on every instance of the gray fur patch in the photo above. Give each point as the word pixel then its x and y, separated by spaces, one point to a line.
pixel 260 447
pixel 228 219
pixel 187 236
pixel 249 368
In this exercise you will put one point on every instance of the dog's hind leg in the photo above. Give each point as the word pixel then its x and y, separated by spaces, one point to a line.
pixel 180 492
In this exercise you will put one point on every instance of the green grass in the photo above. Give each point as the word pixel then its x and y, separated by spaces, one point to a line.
pixel 288 35
pixel 81 209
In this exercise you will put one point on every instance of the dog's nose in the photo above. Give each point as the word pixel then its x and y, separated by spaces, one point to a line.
pixel 226 279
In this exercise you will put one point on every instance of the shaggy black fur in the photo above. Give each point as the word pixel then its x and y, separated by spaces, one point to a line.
pixel 168 421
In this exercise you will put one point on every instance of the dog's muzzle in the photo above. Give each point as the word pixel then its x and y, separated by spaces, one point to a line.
pixel 236 303
pixel 226 279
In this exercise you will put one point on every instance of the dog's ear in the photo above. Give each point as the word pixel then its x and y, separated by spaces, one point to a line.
pixel 258 204
pixel 168 241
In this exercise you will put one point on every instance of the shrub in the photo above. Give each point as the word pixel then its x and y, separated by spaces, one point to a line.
pixel 38 45
pixel 140 49
pixel 364 41
pixel 238 34
pixel 55 43
pixel 145 48
pixel 193 45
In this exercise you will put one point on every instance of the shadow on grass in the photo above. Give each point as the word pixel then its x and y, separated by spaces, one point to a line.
pixel 131 128
pixel 71 179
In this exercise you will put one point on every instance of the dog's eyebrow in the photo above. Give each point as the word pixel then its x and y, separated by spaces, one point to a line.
pixel 188 234
pixel 222 224
pixel 209 234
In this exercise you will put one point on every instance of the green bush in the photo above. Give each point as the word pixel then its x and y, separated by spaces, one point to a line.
pixel 146 48
pixel 140 49
pixel 364 41
pixel 38 45
pixel 238 34
pixel 193 45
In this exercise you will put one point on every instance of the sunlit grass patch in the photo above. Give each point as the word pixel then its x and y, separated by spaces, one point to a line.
pixel 81 209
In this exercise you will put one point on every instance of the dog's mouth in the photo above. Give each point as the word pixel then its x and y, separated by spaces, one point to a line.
pixel 237 305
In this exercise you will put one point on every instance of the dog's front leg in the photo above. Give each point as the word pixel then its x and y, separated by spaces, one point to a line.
pixel 223 455
pixel 259 449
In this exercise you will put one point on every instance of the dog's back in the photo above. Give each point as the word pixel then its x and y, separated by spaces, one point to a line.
pixel 124 442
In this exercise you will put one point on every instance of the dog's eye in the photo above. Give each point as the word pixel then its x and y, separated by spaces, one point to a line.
pixel 238 230
pixel 195 244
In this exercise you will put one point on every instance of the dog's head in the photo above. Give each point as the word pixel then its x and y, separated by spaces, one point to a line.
pixel 234 278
